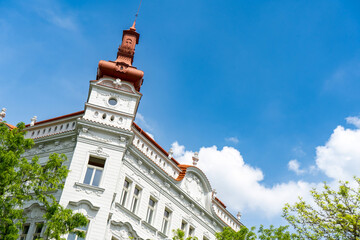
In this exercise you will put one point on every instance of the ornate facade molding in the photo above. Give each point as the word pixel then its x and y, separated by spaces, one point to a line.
pixel 89 189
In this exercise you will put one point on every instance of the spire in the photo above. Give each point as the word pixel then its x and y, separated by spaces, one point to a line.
pixel 133 26
pixel 122 67
pixel 126 50
pixel 136 15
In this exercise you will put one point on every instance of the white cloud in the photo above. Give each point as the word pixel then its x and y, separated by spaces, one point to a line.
pixel 294 166
pixel 234 140
pixel 353 120
pixel 339 158
pixel 143 123
pixel 178 150
pixel 239 185
pixel 53 13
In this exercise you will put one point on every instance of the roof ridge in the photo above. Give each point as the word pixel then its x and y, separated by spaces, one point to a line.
pixel 57 118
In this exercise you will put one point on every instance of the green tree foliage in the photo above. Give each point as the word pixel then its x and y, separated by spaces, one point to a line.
pixel 244 233
pixel 280 233
pixel 23 180
pixel 180 235
pixel 335 214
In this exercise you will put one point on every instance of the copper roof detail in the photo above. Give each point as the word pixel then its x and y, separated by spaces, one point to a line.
pixel 122 67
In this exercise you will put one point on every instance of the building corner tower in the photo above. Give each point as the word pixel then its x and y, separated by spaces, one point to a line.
pixel 104 134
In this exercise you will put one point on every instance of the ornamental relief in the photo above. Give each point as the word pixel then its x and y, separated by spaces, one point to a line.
pixel 50 147
pixel 99 152
pixel 118 84
pixel 124 103
pixel 194 187
pixel 84 207
pixel 88 190
pixel 123 231
pixel 36 212
pixel 98 137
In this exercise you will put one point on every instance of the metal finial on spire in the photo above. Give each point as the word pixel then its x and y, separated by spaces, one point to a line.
pixel 136 15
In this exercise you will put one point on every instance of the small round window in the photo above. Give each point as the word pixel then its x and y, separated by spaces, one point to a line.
pixel 112 101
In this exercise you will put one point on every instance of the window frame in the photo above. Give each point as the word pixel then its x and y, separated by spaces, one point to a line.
pixel 37 234
pixel 184 226
pixel 86 230
pixel 191 232
pixel 135 199
pixel 151 209
pixel 23 235
pixel 166 221
pixel 125 192
pixel 94 168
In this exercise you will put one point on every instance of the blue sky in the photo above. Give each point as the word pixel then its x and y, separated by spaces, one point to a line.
pixel 271 81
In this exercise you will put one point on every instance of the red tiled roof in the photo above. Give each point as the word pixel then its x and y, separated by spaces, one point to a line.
pixel 183 172
pixel 11 127
pixel 57 118
pixel 221 203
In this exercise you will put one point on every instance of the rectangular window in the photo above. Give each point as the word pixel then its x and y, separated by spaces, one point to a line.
pixel 38 229
pixel 25 231
pixel 183 226
pixel 94 171
pixel 166 221
pixel 125 192
pixel 73 236
pixel 151 210
pixel 135 200
pixel 191 231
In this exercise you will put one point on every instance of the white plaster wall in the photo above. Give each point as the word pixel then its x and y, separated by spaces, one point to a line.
pixel 164 200
pixel 97 197
pixel 125 102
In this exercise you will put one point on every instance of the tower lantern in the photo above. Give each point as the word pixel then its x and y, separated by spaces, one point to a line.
pixel 122 67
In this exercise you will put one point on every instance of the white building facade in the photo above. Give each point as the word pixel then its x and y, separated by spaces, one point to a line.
pixel 120 178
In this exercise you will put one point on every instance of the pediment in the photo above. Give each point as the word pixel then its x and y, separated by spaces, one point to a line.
pixel 117 84
pixel 196 187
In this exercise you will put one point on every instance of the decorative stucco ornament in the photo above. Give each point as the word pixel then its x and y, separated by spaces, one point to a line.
pixel 170 153
pixel 33 120
pixel 195 158
pixel 238 216
pixel 214 193
pixel 2 114
pixel 118 83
